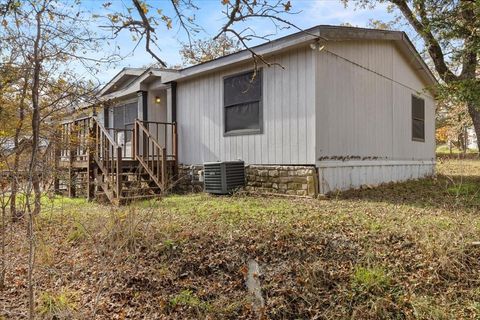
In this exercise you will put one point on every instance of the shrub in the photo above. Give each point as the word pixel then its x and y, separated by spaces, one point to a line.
pixel 188 299
pixel 373 279
pixel 78 233
pixel 59 305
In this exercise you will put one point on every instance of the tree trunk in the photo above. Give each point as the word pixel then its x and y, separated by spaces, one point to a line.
pixel 18 151
pixel 3 266
pixel 14 185
pixel 33 166
pixel 474 112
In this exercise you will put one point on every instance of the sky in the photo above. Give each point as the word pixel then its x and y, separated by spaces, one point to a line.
pixel 210 17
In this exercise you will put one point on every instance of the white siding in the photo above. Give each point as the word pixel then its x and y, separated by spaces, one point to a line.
pixel 336 175
pixel 288 115
pixel 157 111
pixel 364 104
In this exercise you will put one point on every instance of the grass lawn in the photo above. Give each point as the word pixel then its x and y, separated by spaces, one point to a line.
pixel 400 251
pixel 444 149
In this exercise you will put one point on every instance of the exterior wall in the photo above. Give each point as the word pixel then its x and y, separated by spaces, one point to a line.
pixel 288 116
pixel 364 104
pixel 363 116
pixel 335 175
pixel 157 111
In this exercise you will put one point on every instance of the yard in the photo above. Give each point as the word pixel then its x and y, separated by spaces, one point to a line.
pixel 400 251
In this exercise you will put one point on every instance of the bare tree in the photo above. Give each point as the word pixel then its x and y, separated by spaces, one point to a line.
pixel 46 38
pixel 143 17
pixel 200 51
pixel 5 198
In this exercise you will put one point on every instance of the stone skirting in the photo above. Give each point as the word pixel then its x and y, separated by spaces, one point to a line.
pixel 189 178
pixel 289 180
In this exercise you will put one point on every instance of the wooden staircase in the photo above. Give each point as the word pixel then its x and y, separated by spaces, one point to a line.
pixel 121 165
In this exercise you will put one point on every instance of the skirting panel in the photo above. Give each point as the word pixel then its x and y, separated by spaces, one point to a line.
pixel 344 175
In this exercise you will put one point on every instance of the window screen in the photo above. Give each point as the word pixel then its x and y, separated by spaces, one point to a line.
pixel 118 117
pixel 124 114
pixel 131 112
pixel 242 98
pixel 418 119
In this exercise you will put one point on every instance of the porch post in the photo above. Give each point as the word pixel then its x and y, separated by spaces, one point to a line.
pixel 172 102
pixel 142 105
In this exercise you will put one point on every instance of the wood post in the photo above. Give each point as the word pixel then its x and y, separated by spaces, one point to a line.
pixel 175 146
pixel 90 162
pixel 134 141
pixel 56 163
pixel 72 151
pixel 119 172
pixel 164 168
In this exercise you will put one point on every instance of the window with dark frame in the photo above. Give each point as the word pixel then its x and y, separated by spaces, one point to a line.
pixel 418 119
pixel 242 101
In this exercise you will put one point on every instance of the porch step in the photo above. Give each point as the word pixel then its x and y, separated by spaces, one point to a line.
pixel 140 191
pixel 140 197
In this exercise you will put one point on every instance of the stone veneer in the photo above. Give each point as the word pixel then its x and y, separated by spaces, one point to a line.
pixel 290 180
pixel 189 178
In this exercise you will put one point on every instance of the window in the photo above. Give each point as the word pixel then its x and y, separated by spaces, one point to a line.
pixel 124 114
pixel 418 119
pixel 242 98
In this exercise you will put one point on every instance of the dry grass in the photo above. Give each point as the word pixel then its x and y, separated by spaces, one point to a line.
pixel 401 251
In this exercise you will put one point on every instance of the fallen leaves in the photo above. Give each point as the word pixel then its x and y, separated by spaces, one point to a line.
pixel 175 260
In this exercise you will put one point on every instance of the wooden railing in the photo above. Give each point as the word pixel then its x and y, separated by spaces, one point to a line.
pixel 124 138
pixel 86 143
pixel 74 139
pixel 164 133
pixel 152 154
pixel 108 155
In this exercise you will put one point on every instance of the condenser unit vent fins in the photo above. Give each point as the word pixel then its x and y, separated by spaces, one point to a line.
pixel 224 177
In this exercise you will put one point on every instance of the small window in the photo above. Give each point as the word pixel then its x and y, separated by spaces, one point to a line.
pixel 418 119
pixel 242 98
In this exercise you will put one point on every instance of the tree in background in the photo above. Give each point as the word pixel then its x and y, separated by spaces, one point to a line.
pixel 208 49
pixel 450 30
pixel 453 122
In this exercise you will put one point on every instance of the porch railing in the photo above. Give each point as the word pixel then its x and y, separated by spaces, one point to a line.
pixel 124 138
pixel 87 141
pixel 74 140
pixel 108 156
pixel 155 148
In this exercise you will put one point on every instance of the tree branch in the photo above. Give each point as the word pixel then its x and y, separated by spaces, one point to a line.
pixel 148 30
pixel 433 46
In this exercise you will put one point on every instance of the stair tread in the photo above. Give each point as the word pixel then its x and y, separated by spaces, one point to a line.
pixel 140 189
pixel 140 196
